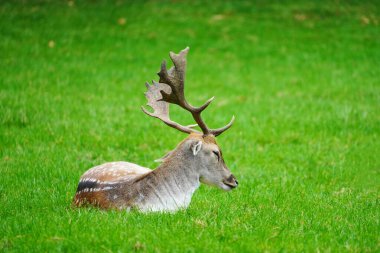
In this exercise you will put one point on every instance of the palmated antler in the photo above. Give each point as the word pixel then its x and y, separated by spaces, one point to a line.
pixel 170 89
pixel 161 108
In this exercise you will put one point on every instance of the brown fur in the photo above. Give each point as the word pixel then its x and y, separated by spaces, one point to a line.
pixel 97 199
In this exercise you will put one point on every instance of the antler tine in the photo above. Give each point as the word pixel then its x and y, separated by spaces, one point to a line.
pixel 202 107
pixel 219 131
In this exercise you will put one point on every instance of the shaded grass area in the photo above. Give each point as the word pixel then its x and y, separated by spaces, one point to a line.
pixel 302 79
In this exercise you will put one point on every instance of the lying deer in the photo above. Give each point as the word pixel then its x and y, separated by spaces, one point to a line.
pixel 196 159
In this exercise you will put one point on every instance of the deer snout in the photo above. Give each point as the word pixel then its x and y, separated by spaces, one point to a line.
pixel 231 181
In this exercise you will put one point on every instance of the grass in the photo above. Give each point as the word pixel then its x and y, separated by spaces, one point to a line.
pixel 301 77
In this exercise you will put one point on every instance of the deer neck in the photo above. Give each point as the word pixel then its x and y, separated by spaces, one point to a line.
pixel 171 186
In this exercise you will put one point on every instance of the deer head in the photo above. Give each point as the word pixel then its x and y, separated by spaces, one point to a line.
pixel 200 148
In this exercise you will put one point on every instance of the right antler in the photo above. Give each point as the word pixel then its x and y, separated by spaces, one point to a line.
pixel 159 95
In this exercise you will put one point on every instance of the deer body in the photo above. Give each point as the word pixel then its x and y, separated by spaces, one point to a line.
pixel 162 189
pixel 198 158
pixel 124 185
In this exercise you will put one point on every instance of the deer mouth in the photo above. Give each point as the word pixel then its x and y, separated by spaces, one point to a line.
pixel 230 183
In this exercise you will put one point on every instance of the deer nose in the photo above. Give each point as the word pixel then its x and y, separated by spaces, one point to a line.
pixel 234 180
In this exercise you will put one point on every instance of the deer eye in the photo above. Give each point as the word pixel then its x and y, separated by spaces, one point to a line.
pixel 217 154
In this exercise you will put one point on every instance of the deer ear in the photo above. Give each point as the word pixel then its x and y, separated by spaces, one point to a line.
pixel 162 159
pixel 196 147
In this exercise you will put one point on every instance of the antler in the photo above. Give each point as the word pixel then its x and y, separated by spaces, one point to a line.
pixel 159 93
pixel 161 108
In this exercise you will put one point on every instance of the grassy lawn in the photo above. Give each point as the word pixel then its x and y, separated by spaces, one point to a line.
pixel 302 79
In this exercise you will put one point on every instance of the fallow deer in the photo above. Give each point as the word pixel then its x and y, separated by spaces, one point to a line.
pixel 198 158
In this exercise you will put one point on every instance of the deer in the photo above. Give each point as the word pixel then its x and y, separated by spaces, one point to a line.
pixel 168 188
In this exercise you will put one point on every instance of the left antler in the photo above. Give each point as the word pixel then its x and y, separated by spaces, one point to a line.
pixel 175 79
pixel 161 108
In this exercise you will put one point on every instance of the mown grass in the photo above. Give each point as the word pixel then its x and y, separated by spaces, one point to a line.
pixel 301 77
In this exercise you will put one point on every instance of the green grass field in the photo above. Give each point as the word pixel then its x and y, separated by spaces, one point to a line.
pixel 302 79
